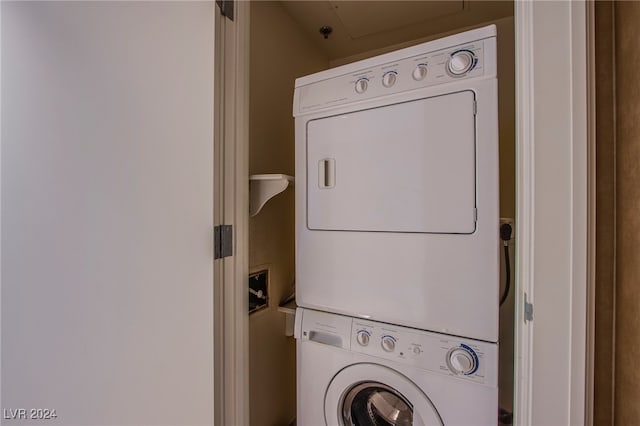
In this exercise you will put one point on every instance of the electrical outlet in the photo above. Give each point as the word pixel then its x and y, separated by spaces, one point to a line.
pixel 511 222
pixel 508 220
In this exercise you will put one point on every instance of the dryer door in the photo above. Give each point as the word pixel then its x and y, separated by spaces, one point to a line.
pixel 374 395
pixel 407 167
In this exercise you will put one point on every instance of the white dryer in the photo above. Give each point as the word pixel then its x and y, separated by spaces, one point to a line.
pixel 358 372
pixel 397 187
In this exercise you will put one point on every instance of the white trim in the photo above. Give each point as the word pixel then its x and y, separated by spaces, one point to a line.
pixel 234 153
pixel 525 188
pixel 218 181
pixel 591 212
pixel 1 198
pixel 579 208
pixel 241 214
pixel 551 197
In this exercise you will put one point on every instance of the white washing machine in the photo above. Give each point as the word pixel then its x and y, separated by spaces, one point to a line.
pixel 397 207
pixel 355 372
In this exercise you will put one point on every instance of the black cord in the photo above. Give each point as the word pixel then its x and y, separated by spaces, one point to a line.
pixel 505 235
pixel 505 293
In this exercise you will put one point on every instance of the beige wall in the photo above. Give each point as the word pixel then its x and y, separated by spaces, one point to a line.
pixel 627 312
pixel 617 380
pixel 279 54
pixel 605 215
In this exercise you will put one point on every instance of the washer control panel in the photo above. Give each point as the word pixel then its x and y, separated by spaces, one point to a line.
pixel 467 359
pixel 428 69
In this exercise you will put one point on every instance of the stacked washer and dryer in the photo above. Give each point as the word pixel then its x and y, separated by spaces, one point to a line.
pixel 397 245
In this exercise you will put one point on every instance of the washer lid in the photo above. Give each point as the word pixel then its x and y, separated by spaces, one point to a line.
pixel 374 395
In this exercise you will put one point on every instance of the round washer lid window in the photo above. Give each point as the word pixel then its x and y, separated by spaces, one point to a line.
pixel 369 394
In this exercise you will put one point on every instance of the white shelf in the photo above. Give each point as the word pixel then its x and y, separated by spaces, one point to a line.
pixel 289 309
pixel 264 187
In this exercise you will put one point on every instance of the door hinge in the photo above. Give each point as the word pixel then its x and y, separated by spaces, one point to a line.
pixel 226 8
pixel 223 241
pixel 528 310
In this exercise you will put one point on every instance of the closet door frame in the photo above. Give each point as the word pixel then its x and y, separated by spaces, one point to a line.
pixel 552 215
pixel 232 156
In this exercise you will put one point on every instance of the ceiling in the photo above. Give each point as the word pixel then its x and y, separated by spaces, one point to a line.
pixel 362 26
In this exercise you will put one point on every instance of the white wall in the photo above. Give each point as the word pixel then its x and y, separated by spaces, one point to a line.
pixel 107 211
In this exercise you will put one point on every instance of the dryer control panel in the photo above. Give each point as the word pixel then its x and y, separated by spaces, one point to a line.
pixel 467 359
pixel 426 69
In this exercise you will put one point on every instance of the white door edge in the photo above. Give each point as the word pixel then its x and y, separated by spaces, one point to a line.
pixel 523 15
pixel 232 365
pixel 550 376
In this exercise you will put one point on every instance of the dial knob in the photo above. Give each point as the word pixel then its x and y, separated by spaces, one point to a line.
pixel 389 78
pixel 461 361
pixel 420 72
pixel 388 343
pixel 362 85
pixel 363 338
pixel 460 62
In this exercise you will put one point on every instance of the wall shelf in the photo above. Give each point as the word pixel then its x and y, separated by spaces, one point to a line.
pixel 264 187
pixel 289 309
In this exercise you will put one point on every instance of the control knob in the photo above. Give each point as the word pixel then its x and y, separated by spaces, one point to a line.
pixel 362 85
pixel 389 78
pixel 388 343
pixel 363 337
pixel 460 62
pixel 461 361
pixel 420 72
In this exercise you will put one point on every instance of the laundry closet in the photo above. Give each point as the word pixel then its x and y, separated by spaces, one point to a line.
pixel 289 40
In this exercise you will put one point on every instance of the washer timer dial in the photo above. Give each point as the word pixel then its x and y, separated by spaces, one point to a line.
pixel 462 360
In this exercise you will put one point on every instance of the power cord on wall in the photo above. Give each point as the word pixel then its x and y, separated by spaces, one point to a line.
pixel 505 236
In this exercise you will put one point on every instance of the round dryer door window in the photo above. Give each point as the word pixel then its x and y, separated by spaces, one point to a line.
pixel 374 395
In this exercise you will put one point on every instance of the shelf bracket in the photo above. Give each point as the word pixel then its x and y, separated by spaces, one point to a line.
pixel 264 187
